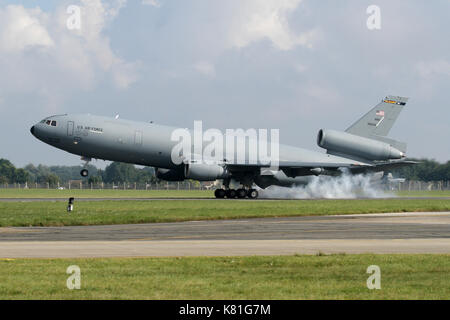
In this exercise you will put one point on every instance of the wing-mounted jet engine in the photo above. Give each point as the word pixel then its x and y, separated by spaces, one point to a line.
pixel 195 171
pixel 205 172
pixel 170 174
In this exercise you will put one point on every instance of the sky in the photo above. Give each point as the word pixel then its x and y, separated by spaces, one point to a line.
pixel 293 65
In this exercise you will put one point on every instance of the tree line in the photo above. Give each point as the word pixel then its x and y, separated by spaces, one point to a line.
pixel 117 172
pixel 425 170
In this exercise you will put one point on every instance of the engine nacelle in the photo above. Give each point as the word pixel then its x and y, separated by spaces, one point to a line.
pixel 204 172
pixel 346 143
pixel 169 174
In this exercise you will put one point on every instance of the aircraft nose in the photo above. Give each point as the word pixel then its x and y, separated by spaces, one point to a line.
pixel 32 130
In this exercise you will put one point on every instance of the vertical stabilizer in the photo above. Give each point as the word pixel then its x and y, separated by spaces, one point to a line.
pixel 377 123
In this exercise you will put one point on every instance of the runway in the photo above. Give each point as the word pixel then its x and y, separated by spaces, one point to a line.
pixel 427 232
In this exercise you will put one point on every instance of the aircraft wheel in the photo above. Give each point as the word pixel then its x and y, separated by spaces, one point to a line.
pixel 252 194
pixel 241 193
pixel 84 173
pixel 231 193
pixel 219 193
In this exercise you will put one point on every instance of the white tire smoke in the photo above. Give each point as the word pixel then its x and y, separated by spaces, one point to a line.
pixel 345 186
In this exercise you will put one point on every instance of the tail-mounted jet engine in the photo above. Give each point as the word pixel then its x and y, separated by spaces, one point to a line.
pixel 349 144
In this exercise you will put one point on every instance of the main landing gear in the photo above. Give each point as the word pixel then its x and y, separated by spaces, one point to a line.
pixel 245 191
pixel 239 193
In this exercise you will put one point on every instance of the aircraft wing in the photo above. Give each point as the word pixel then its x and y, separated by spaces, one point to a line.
pixel 294 169
pixel 383 166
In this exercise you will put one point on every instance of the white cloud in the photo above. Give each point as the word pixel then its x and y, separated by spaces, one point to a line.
pixel 153 3
pixel 40 55
pixel 21 29
pixel 300 68
pixel 206 68
pixel 95 18
pixel 325 94
pixel 435 67
pixel 258 20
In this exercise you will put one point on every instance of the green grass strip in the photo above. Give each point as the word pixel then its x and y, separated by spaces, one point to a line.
pixel 124 212
pixel 259 277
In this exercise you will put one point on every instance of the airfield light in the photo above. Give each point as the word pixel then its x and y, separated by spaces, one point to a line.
pixel 70 204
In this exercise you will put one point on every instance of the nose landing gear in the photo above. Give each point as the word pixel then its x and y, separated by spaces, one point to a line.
pixel 84 172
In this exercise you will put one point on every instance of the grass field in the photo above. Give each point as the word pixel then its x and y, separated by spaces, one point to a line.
pixel 87 193
pixel 50 213
pixel 433 193
pixel 266 277
pixel 53 213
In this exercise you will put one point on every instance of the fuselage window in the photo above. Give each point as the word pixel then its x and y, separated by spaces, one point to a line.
pixel 53 123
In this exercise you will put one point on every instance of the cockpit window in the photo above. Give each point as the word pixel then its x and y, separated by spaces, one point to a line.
pixel 49 122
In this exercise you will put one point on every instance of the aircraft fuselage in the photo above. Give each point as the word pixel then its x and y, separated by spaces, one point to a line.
pixel 141 143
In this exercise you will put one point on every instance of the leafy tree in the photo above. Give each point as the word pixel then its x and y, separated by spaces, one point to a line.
pixel 51 178
pixel 95 180
pixel 3 180
pixel 7 170
pixel 21 176
pixel 145 175
pixel 425 170
pixel 32 171
pixel 120 172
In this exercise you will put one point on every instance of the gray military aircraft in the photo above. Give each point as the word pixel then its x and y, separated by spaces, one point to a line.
pixel 364 147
